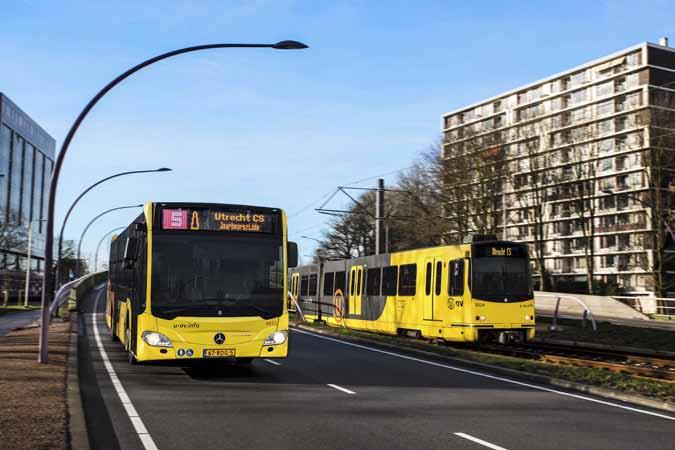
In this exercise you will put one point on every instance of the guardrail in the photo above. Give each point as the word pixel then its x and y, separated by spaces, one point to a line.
pixel 297 309
pixel 72 291
pixel 587 309
pixel 653 306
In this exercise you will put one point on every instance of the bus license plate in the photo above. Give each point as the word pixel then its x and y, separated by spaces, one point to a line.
pixel 218 353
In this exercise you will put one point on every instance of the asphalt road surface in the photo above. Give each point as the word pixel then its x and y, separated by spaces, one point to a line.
pixel 11 321
pixel 330 394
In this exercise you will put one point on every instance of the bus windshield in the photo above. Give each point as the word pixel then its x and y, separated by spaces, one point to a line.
pixel 216 276
pixel 500 278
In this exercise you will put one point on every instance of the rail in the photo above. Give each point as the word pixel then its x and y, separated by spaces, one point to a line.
pixel 62 295
pixel 587 310
pixel 297 309
pixel 653 306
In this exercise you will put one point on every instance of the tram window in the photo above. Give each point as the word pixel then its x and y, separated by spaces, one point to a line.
pixel 389 276
pixel 328 280
pixel 304 286
pixel 373 277
pixel 456 277
pixel 351 283
pixel 340 281
pixel 312 284
pixel 407 280
pixel 439 276
pixel 358 282
pixel 427 285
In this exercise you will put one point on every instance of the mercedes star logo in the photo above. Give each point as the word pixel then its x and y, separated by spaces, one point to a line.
pixel 219 338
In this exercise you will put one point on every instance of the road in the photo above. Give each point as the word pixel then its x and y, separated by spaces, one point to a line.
pixel 330 394
pixel 11 321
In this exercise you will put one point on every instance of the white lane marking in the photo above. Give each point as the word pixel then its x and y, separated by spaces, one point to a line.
pixel 494 377
pixel 274 363
pixel 479 441
pixel 133 415
pixel 339 388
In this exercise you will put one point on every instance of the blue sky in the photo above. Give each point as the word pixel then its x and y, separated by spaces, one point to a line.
pixel 280 128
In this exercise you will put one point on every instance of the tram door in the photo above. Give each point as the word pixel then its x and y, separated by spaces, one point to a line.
pixel 295 283
pixel 429 289
pixel 355 288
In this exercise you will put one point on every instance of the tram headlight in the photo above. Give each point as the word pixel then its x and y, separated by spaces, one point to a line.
pixel 156 339
pixel 276 338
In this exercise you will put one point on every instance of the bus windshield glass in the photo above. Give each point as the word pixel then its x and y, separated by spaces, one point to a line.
pixel 500 274
pixel 215 275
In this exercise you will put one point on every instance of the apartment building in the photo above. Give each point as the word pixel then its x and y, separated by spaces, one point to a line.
pixel 579 166
pixel 26 163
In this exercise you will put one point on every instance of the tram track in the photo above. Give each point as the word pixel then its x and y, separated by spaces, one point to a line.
pixel 635 364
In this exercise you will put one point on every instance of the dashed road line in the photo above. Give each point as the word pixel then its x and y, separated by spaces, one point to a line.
pixel 493 377
pixel 339 388
pixel 479 441
pixel 134 417
pixel 274 363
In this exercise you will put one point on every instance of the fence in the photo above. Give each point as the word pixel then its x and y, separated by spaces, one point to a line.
pixel 655 307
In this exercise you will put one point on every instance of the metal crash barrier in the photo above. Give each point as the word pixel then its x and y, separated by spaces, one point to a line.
pixel 653 306
pixel 587 311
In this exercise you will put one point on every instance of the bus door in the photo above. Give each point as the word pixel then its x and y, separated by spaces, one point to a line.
pixel 355 288
pixel 429 294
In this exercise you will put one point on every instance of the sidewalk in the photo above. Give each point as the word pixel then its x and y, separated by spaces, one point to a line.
pixel 33 411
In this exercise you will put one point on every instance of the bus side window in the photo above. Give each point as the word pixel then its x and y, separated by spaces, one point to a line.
pixel 456 277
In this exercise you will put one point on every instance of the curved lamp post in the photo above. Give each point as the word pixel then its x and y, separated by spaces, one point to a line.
pixel 79 244
pixel 65 219
pixel 98 246
pixel 48 282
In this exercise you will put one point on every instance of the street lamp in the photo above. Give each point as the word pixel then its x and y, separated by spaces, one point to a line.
pixel 65 219
pixel 79 244
pixel 28 252
pixel 98 247
pixel 665 222
pixel 311 239
pixel 48 282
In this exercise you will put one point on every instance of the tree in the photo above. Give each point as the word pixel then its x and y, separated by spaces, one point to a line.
pixel 13 238
pixel 69 261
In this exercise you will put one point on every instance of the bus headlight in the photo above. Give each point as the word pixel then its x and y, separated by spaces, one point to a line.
pixel 156 339
pixel 276 338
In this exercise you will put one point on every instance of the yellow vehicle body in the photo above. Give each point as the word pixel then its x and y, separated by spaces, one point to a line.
pixel 433 311
pixel 192 337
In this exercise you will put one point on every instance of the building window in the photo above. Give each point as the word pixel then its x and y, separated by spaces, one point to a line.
pixel 5 154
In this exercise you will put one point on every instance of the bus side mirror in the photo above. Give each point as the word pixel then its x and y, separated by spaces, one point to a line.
pixel 292 251
pixel 130 253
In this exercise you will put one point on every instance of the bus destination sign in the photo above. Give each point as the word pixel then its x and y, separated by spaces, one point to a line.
pixel 201 219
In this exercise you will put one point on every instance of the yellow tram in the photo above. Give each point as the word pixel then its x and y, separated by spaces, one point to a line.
pixel 464 293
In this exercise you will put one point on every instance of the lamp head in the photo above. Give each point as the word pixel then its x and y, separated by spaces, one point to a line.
pixel 289 45
pixel 164 169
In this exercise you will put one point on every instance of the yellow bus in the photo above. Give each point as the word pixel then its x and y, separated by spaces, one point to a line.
pixel 201 282
pixel 479 291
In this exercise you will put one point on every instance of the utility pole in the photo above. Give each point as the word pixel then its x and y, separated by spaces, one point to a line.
pixel 379 215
